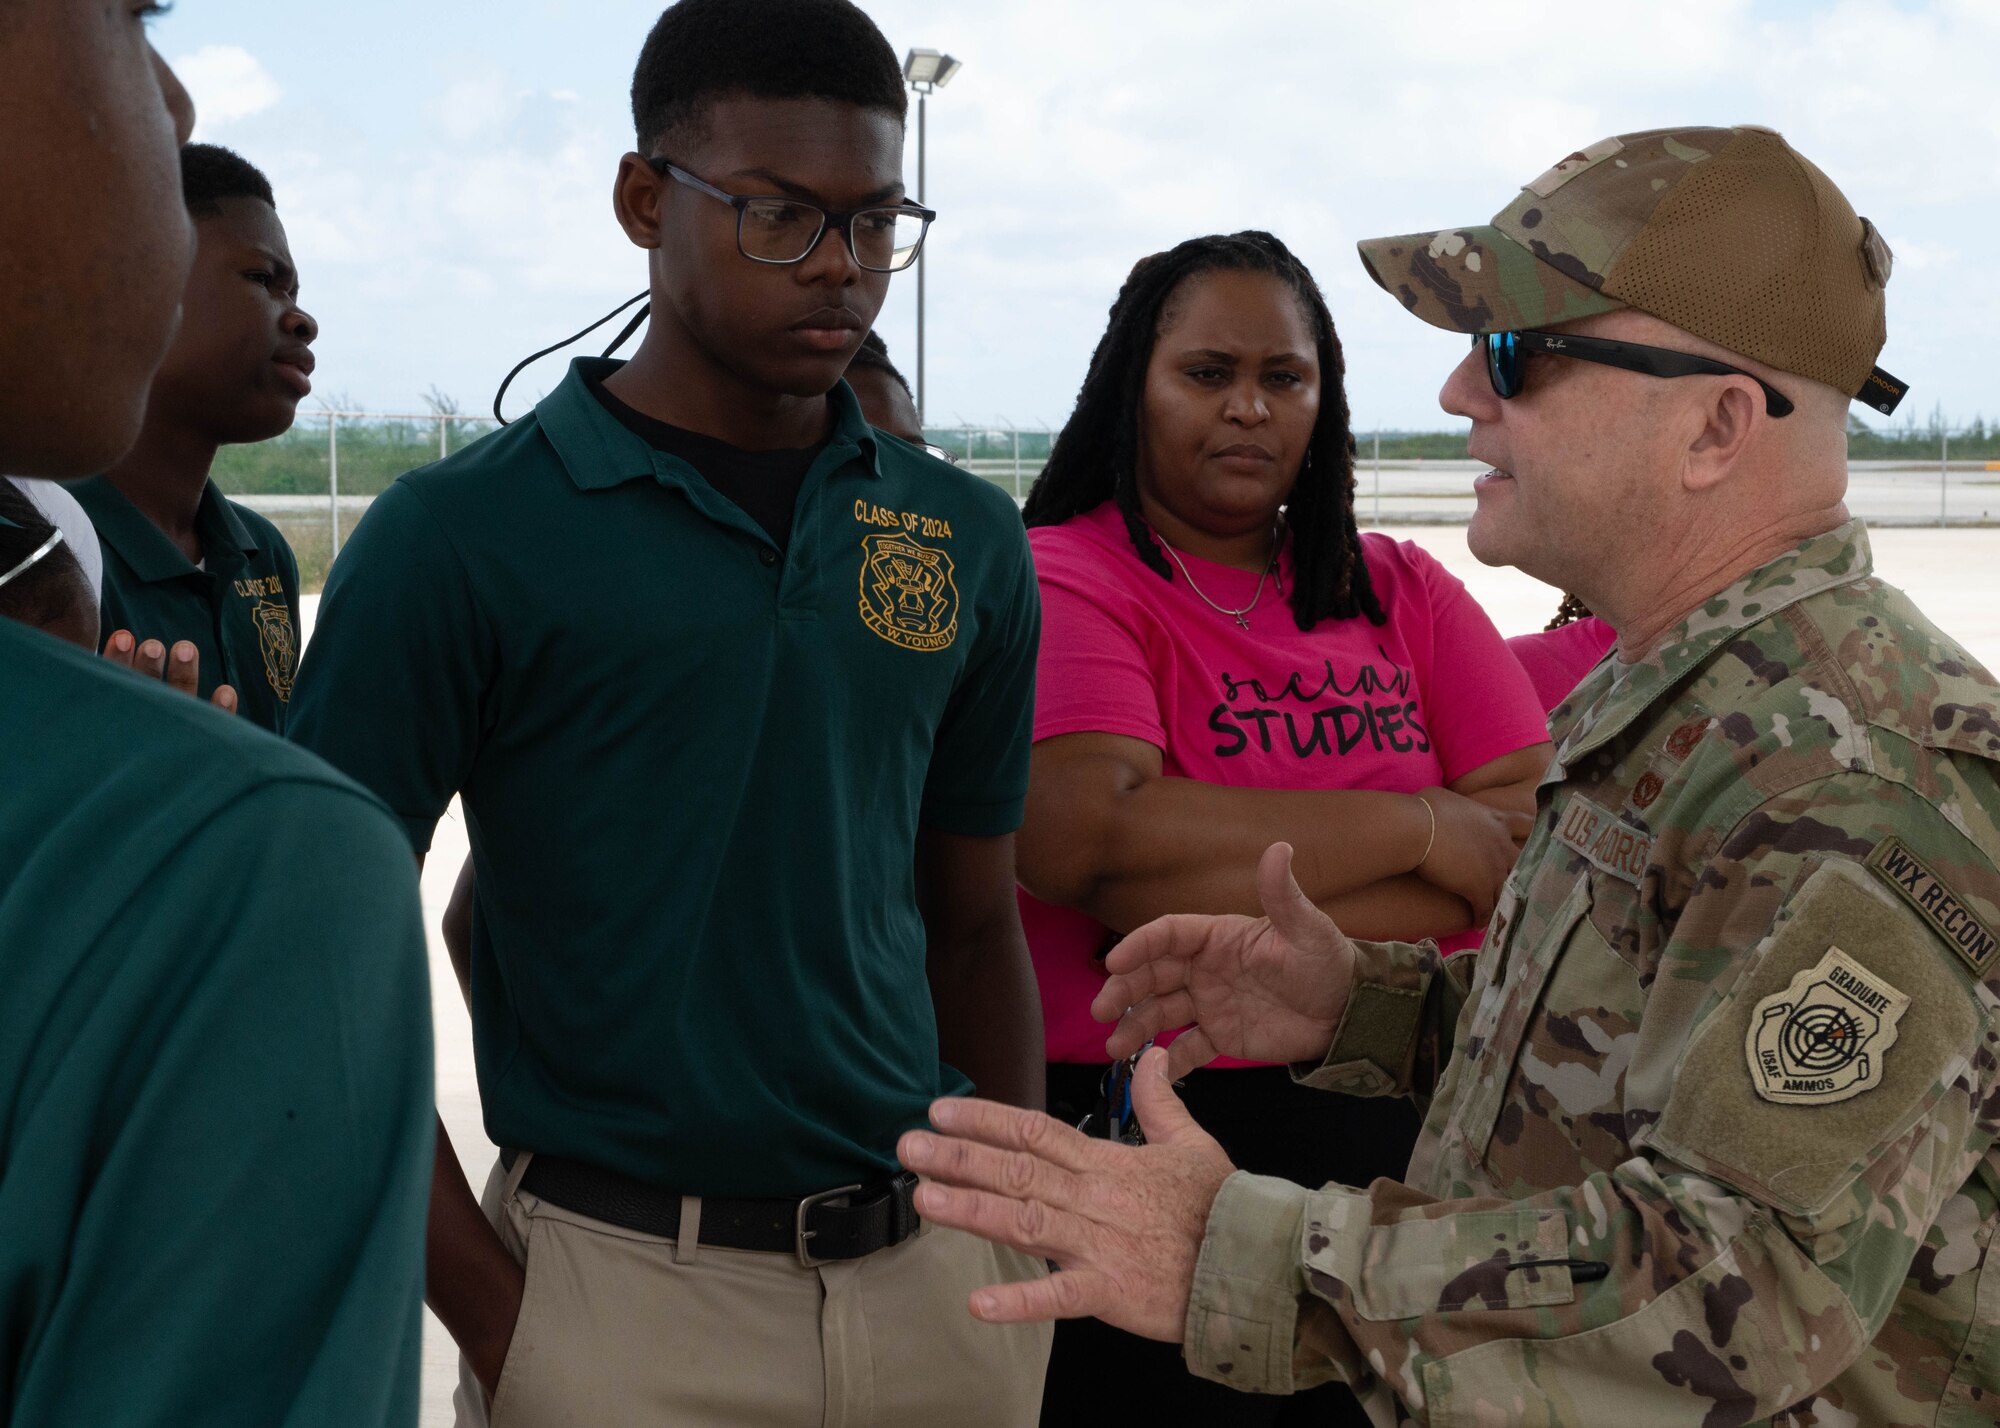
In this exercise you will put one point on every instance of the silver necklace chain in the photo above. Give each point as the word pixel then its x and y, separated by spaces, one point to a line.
pixel 1241 616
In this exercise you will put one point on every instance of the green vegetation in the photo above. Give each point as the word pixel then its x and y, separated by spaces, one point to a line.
pixel 977 444
pixel 375 451
pixel 372 454
pixel 1410 446
pixel 312 544
pixel 1914 442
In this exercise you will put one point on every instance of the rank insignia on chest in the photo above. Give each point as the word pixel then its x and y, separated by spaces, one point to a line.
pixel 1681 742
pixel 1822 1038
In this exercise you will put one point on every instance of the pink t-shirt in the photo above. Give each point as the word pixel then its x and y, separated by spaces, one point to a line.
pixel 1417 702
pixel 1558 659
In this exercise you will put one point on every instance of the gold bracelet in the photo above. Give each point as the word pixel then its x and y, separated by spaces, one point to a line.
pixel 1430 842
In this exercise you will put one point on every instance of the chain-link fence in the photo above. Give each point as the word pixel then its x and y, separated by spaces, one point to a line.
pixel 315 481
pixel 1926 476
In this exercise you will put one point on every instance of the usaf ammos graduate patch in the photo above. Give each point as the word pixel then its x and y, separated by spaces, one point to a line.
pixel 1822 1038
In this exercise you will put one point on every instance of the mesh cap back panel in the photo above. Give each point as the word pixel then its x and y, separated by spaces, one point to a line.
pixel 1757 251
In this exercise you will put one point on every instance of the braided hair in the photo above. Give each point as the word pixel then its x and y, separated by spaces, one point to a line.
pixel 1571 610
pixel 1095 457
pixel 873 354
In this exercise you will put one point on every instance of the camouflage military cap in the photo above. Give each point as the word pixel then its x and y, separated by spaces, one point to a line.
pixel 1730 234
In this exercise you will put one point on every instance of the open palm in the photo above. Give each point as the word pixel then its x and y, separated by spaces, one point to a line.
pixel 1267 988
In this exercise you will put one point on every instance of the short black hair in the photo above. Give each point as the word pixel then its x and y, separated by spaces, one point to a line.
pixel 874 353
pixel 47 591
pixel 1095 457
pixel 211 173
pixel 700 51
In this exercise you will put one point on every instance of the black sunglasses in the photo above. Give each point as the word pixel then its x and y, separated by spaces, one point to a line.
pixel 1506 365
pixel 885 238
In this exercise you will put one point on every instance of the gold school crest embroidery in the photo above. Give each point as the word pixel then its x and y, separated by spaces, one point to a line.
pixel 280 645
pixel 1822 1038
pixel 907 594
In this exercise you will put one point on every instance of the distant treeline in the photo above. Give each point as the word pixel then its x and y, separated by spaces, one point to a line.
pixel 996 444
pixel 374 453
pixel 1922 443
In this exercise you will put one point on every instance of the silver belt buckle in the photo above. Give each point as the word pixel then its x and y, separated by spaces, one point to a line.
pixel 801 1234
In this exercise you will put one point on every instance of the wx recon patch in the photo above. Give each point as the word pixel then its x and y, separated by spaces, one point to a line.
pixel 1822 1038
pixel 1935 902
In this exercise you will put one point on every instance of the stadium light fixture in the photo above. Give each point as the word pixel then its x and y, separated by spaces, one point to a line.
pixel 925 71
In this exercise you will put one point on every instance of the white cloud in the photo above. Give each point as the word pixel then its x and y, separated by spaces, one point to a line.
pixel 450 204
pixel 478 104
pixel 228 83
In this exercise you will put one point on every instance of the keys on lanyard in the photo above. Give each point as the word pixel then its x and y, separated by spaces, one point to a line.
pixel 1113 1118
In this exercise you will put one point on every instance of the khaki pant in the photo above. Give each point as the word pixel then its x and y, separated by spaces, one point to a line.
pixel 621 1328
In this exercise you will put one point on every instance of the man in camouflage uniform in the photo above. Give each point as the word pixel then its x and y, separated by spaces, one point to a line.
pixel 1712 1119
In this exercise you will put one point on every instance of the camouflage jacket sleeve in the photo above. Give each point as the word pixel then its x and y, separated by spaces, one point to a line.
pixel 1754 1241
pixel 1396 1034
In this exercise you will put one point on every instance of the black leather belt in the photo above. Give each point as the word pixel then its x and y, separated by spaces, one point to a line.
pixel 847 1223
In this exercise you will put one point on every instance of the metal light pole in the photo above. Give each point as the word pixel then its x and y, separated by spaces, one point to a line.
pixel 924 71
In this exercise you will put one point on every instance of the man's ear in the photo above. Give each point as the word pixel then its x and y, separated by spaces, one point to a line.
pixel 636 196
pixel 1729 420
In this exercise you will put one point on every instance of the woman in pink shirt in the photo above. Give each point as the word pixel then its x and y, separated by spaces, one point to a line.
pixel 1227 663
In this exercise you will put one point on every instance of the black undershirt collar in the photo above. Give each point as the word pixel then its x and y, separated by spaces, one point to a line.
pixel 764 484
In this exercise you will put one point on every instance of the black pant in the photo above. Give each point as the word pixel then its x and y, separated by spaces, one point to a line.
pixel 1098 1375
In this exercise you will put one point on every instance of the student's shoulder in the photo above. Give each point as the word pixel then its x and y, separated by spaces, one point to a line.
pixel 102 733
pixel 517 455
pixel 921 480
pixel 508 481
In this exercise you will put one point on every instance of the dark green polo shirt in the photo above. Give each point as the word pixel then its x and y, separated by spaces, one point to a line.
pixel 215 1067
pixel 241 611
pixel 693 770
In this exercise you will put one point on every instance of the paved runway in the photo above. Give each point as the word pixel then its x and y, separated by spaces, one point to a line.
pixel 1953 574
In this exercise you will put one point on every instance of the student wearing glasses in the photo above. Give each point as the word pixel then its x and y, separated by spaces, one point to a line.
pixel 1714 1115
pixel 886 404
pixel 1226 662
pixel 737 693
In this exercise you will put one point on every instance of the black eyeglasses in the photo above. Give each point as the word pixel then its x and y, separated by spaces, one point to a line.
pixel 1506 367
pixel 884 239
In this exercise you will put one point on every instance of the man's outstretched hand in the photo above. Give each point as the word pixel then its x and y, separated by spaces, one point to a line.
pixel 1268 988
pixel 1123 1223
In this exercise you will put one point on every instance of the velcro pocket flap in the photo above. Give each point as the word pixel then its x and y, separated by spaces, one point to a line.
pixel 1477 1259
pixel 1893 1007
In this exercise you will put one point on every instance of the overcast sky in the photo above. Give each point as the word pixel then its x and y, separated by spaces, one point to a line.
pixel 444 167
